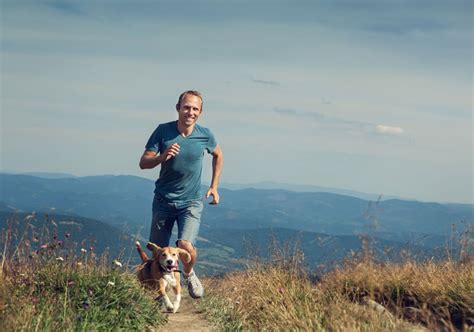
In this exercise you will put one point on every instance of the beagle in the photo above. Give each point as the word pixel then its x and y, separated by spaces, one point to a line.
pixel 161 272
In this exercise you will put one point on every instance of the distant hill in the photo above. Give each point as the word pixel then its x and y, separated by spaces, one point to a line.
pixel 308 188
pixel 45 175
pixel 218 252
pixel 76 232
pixel 119 200
pixel 227 249
pixel 126 201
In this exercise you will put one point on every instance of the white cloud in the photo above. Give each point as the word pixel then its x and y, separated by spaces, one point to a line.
pixel 389 130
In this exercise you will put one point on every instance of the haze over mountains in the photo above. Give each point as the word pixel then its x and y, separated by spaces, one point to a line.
pixel 327 225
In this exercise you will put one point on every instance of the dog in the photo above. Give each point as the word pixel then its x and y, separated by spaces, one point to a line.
pixel 161 272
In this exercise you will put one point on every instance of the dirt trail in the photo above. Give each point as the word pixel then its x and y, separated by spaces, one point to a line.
pixel 188 318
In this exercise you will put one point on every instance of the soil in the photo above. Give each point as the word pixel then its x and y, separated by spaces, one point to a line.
pixel 188 318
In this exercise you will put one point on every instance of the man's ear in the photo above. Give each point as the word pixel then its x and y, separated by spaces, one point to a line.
pixel 184 255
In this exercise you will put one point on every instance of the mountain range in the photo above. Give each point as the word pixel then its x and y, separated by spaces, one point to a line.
pixel 252 215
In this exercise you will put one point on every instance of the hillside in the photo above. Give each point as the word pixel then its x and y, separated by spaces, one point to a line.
pixel 75 233
pixel 126 200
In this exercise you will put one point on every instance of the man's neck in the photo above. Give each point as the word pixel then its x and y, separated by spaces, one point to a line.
pixel 184 130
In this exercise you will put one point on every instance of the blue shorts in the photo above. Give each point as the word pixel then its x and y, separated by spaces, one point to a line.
pixel 188 217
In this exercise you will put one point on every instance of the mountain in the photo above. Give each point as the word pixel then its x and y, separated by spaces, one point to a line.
pixel 125 201
pixel 218 252
pixel 75 233
pixel 119 200
pixel 308 188
pixel 45 175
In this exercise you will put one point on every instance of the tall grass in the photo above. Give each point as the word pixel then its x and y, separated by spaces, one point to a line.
pixel 44 285
pixel 361 295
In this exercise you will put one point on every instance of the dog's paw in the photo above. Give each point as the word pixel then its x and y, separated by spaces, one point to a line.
pixel 170 308
pixel 175 306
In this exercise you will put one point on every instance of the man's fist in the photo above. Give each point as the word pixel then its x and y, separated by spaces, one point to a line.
pixel 215 195
pixel 171 152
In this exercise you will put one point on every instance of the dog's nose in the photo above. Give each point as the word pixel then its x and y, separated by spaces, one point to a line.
pixel 170 262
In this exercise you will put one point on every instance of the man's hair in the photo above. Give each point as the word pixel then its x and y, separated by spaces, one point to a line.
pixel 189 92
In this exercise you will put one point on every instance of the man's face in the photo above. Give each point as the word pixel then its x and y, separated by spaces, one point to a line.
pixel 189 110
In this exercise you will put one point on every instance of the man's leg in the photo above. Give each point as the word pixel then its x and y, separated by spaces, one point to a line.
pixel 189 220
pixel 163 218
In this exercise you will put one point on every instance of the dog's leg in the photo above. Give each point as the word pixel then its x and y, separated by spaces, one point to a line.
pixel 177 293
pixel 164 297
pixel 142 254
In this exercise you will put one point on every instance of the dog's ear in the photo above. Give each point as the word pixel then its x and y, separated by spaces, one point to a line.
pixel 154 248
pixel 184 255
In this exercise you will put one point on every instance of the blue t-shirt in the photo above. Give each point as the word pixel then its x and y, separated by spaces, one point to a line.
pixel 180 176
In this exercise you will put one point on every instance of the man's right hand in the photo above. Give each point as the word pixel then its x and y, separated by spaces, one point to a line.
pixel 171 152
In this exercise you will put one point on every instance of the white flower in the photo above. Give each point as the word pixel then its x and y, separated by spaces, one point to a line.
pixel 117 263
pixel 60 259
pixel 111 283
pixel 83 250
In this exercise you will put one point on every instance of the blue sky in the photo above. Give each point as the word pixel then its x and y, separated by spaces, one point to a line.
pixel 373 96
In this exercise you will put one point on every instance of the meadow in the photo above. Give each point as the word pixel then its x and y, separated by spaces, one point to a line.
pixel 49 283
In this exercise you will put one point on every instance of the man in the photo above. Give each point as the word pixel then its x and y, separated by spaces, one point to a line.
pixel 179 146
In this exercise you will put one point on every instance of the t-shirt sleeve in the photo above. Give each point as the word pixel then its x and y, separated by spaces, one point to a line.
pixel 154 142
pixel 211 142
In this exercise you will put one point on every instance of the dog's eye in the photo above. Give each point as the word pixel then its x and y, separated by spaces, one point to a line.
pixel 174 254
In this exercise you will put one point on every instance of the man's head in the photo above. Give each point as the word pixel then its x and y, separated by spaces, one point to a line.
pixel 189 93
pixel 189 107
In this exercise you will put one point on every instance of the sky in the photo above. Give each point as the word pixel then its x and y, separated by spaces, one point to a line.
pixel 374 96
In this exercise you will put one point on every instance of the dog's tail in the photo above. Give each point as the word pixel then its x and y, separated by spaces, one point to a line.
pixel 142 254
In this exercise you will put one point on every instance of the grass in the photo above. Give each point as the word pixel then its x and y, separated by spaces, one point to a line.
pixel 362 295
pixel 52 289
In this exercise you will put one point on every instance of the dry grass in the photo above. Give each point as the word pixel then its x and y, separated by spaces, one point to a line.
pixel 438 295
pixel 360 296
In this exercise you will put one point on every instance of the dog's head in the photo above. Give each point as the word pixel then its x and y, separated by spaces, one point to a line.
pixel 168 257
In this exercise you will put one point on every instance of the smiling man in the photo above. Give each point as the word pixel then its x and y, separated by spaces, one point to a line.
pixel 179 147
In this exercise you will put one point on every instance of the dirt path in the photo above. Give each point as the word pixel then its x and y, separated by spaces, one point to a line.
pixel 188 318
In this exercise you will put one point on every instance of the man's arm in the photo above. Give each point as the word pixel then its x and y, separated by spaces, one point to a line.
pixel 217 163
pixel 150 159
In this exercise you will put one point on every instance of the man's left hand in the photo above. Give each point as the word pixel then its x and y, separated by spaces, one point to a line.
pixel 215 195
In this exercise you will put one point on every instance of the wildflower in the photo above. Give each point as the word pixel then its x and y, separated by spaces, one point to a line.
pixel 111 283
pixel 71 283
pixel 281 290
pixel 60 259
pixel 44 246
pixel 60 243
pixel 90 292
pixel 83 250
pixel 117 263
pixel 91 248
pixel 67 234
pixel 79 263
pixel 86 304
pixel 30 216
